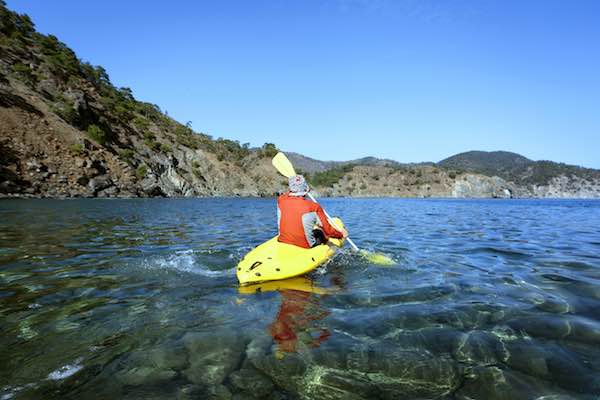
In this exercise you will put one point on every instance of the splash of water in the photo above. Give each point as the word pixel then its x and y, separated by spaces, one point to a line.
pixel 186 261
pixel 66 371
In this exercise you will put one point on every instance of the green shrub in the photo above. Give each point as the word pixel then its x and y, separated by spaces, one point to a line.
pixel 95 75
pixel 74 81
pixel 165 148
pixel 230 149
pixel 188 141
pixel 141 123
pixel 21 68
pixel 331 176
pixel 67 112
pixel 363 186
pixel 25 73
pixel 96 133
pixel 186 137
pixel 149 110
pixel 182 130
pixel 452 175
pixel 126 154
pixel 62 60
pixel 268 150
pixel 141 171
pixel 76 149
pixel 154 145
pixel 123 113
pixel 12 24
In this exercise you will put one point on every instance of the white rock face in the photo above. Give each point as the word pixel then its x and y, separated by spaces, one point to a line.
pixel 479 186
pixel 568 187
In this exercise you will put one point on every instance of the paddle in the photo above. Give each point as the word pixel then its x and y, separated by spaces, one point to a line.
pixel 285 168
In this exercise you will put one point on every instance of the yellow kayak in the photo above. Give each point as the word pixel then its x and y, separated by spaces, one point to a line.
pixel 273 260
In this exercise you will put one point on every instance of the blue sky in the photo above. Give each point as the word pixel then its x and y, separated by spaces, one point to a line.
pixel 411 80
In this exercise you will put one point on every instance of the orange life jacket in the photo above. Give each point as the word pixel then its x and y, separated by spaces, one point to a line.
pixel 296 219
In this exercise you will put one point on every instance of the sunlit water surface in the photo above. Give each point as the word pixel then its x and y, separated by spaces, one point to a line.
pixel 138 299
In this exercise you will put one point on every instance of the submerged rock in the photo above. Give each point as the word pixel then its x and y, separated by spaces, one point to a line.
pixel 559 327
pixel 251 380
pixel 145 375
pixel 352 369
pixel 151 367
pixel 494 383
pixel 553 363
pixel 194 392
pixel 334 384
pixel 527 358
pixel 189 392
pixel 479 348
pixel 217 392
pixel 412 373
pixel 212 356
pixel 286 372
pixel 169 357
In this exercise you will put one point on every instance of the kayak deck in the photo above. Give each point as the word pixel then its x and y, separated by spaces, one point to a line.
pixel 274 260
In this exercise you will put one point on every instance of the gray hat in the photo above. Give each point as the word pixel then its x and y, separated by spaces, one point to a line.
pixel 298 185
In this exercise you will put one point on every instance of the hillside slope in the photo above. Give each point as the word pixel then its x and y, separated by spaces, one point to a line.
pixel 66 131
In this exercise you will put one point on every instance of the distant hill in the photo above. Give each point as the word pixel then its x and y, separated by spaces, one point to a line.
pixel 491 162
pixel 311 166
pixel 514 167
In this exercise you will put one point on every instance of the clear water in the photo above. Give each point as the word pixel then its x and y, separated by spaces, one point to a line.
pixel 138 299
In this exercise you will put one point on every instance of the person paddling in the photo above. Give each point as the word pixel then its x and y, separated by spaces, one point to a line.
pixel 302 222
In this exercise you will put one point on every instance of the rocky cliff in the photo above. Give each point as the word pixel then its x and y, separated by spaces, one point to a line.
pixel 67 131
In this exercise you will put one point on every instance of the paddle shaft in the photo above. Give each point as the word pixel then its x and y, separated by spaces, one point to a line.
pixel 332 222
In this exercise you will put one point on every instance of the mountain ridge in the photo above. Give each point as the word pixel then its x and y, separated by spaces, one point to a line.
pixel 501 163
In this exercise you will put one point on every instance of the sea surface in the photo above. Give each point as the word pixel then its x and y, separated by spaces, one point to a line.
pixel 489 299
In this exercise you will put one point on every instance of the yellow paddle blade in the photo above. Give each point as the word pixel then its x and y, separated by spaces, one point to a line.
pixel 283 165
pixel 377 258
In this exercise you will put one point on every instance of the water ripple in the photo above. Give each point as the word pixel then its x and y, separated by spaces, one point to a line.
pixel 138 298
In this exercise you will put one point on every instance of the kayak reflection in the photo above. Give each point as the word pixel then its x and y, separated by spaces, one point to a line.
pixel 298 321
pixel 299 283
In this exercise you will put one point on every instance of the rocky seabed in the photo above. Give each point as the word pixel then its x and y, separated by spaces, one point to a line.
pixel 513 361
